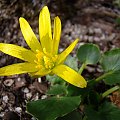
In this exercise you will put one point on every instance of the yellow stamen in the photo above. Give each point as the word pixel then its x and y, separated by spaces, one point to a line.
pixel 49 64
pixel 54 59
pixel 45 59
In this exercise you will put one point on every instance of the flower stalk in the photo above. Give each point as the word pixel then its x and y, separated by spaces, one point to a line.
pixel 111 90
pixel 82 68
pixel 103 76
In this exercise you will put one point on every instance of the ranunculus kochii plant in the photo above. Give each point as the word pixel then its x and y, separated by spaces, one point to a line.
pixel 78 100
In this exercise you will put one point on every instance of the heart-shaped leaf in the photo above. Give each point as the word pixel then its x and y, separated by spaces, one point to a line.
pixel 72 62
pixel 112 78
pixel 89 53
pixel 52 108
pixel 106 111
pixel 111 60
pixel 57 90
pixel 92 114
pixel 74 115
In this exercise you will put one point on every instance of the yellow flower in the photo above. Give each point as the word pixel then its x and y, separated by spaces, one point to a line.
pixel 43 57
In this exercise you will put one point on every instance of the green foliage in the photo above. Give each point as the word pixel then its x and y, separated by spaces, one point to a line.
pixel 55 79
pixel 74 115
pixel 95 101
pixel 52 108
pixel 72 62
pixel 112 78
pixel 111 60
pixel 63 99
pixel 106 111
pixel 111 63
pixel 88 53
pixel 57 90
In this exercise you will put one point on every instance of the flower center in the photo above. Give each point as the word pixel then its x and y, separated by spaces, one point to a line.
pixel 45 60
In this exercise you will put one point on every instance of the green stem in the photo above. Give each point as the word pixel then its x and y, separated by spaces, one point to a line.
pixel 111 90
pixel 103 76
pixel 82 68
pixel 85 118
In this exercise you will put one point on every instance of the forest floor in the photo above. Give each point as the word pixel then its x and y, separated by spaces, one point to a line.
pixel 92 22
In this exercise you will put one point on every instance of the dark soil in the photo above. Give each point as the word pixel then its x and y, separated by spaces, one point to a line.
pixel 92 21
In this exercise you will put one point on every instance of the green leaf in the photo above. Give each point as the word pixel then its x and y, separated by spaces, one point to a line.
pixel 111 60
pixel 74 115
pixel 107 111
pixel 55 79
pixel 72 62
pixel 83 92
pixel 112 78
pixel 52 108
pixel 91 114
pixel 75 91
pixel 57 90
pixel 93 100
pixel 89 53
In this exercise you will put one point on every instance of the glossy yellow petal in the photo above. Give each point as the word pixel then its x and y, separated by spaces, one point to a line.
pixel 45 29
pixel 18 52
pixel 42 72
pixel 29 35
pixel 66 52
pixel 56 35
pixel 17 69
pixel 70 76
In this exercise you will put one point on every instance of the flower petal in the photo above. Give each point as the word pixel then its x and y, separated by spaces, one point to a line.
pixel 66 52
pixel 18 52
pixel 29 35
pixel 18 68
pixel 45 29
pixel 70 76
pixel 56 35
pixel 42 72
